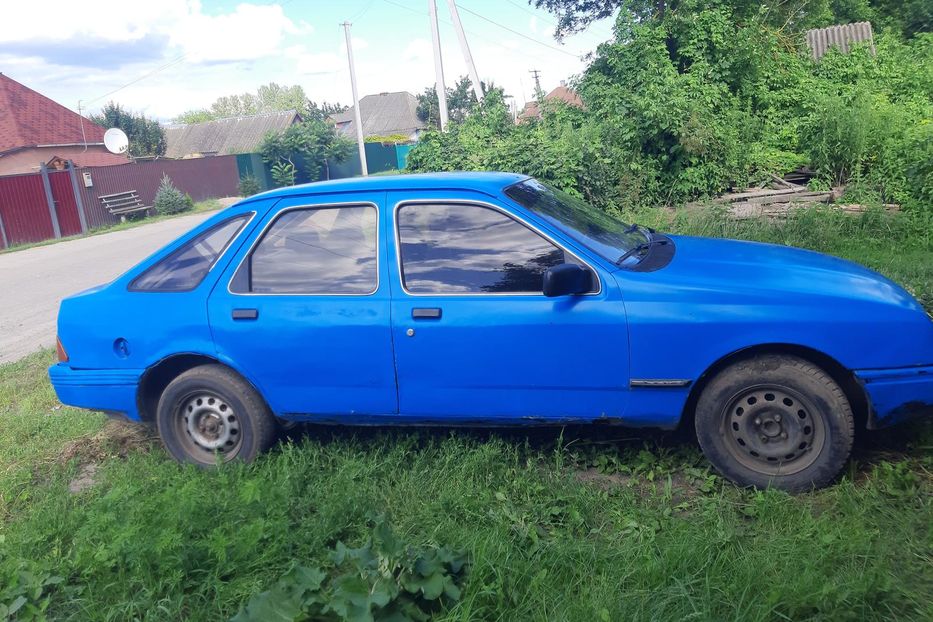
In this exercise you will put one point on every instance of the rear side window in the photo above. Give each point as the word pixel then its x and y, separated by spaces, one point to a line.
pixel 315 251
pixel 187 266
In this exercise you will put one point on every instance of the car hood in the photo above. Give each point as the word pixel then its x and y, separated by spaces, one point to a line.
pixel 758 270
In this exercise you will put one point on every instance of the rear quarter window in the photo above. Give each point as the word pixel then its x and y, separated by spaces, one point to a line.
pixel 186 267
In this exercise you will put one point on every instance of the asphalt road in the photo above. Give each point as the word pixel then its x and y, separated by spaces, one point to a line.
pixel 33 281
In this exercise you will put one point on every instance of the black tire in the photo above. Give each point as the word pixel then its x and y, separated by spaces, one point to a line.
pixel 775 421
pixel 210 413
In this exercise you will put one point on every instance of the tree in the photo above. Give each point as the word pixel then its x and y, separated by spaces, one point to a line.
pixel 907 17
pixel 270 97
pixel 147 138
pixel 300 152
pixel 460 102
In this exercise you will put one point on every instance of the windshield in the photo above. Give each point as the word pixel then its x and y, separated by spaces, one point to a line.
pixel 592 227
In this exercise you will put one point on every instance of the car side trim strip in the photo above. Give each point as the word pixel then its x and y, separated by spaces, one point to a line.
pixel 659 383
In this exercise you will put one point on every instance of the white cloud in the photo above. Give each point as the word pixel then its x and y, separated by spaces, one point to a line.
pixel 109 20
pixel 234 36
pixel 533 24
pixel 180 25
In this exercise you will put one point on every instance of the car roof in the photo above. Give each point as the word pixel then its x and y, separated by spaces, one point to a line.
pixel 491 182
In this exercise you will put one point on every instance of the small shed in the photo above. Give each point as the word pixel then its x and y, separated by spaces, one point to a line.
pixel 230 136
pixel 844 36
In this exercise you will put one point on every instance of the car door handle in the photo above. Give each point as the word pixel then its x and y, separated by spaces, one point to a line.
pixel 423 313
pixel 245 314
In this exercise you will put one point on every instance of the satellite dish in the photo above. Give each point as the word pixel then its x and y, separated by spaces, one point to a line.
pixel 115 140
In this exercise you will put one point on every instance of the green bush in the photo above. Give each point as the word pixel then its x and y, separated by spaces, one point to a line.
pixel 385 579
pixel 249 186
pixel 171 200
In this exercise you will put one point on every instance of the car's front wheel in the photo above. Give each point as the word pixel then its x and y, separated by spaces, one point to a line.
pixel 209 414
pixel 775 421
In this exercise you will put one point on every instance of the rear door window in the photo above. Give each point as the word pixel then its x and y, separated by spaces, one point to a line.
pixel 315 251
pixel 186 267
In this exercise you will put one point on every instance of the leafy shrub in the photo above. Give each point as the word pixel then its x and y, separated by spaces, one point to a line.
pixel 300 151
pixel 24 592
pixel 284 173
pixel 385 579
pixel 171 200
pixel 249 186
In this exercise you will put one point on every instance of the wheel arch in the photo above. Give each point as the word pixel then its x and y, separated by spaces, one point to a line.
pixel 157 377
pixel 840 374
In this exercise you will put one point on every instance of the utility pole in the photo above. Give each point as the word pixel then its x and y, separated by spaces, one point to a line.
pixel 539 93
pixel 465 47
pixel 438 65
pixel 357 119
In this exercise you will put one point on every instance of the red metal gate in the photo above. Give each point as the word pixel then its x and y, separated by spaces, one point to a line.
pixel 65 205
pixel 24 210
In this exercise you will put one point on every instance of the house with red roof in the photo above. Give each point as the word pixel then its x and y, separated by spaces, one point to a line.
pixel 34 130
pixel 562 93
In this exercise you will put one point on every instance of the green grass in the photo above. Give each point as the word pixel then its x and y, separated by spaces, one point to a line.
pixel 575 524
pixel 208 205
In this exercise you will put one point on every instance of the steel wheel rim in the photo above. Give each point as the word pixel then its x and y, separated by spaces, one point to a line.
pixel 773 429
pixel 208 426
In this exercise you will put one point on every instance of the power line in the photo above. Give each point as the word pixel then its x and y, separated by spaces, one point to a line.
pixel 157 70
pixel 520 34
pixel 140 78
pixel 472 32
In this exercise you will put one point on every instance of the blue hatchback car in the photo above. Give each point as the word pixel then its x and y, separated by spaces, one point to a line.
pixel 493 299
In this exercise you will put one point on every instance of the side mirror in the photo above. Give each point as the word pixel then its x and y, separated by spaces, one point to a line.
pixel 566 279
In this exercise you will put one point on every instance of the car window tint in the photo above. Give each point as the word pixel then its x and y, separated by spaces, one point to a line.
pixel 456 248
pixel 187 266
pixel 329 250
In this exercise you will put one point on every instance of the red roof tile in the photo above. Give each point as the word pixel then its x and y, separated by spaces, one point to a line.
pixel 28 118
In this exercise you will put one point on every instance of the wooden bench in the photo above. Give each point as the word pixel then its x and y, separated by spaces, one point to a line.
pixel 123 203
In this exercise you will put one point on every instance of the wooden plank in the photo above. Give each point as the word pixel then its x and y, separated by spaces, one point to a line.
pixel 127 210
pixel 117 194
pixel 740 196
pixel 113 204
pixel 795 197
pixel 784 183
pixel 122 197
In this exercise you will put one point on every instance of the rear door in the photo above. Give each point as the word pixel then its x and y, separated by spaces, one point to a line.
pixel 303 310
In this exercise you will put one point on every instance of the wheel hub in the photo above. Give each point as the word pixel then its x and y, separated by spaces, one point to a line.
pixel 772 429
pixel 211 423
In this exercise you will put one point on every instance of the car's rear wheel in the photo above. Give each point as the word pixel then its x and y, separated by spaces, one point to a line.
pixel 209 414
pixel 775 421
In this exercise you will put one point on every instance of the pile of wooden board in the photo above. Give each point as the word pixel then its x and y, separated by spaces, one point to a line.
pixel 780 198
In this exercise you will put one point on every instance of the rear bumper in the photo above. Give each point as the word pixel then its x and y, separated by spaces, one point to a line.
pixel 109 390
pixel 897 395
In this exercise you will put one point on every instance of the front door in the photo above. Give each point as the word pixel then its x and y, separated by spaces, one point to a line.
pixel 475 338
pixel 303 311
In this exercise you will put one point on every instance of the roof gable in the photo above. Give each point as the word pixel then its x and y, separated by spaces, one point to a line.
pixel 28 118
pixel 225 136
pixel 383 114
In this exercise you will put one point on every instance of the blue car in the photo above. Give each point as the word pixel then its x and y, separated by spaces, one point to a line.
pixel 483 299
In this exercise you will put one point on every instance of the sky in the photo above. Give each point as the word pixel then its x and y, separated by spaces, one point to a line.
pixel 162 58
